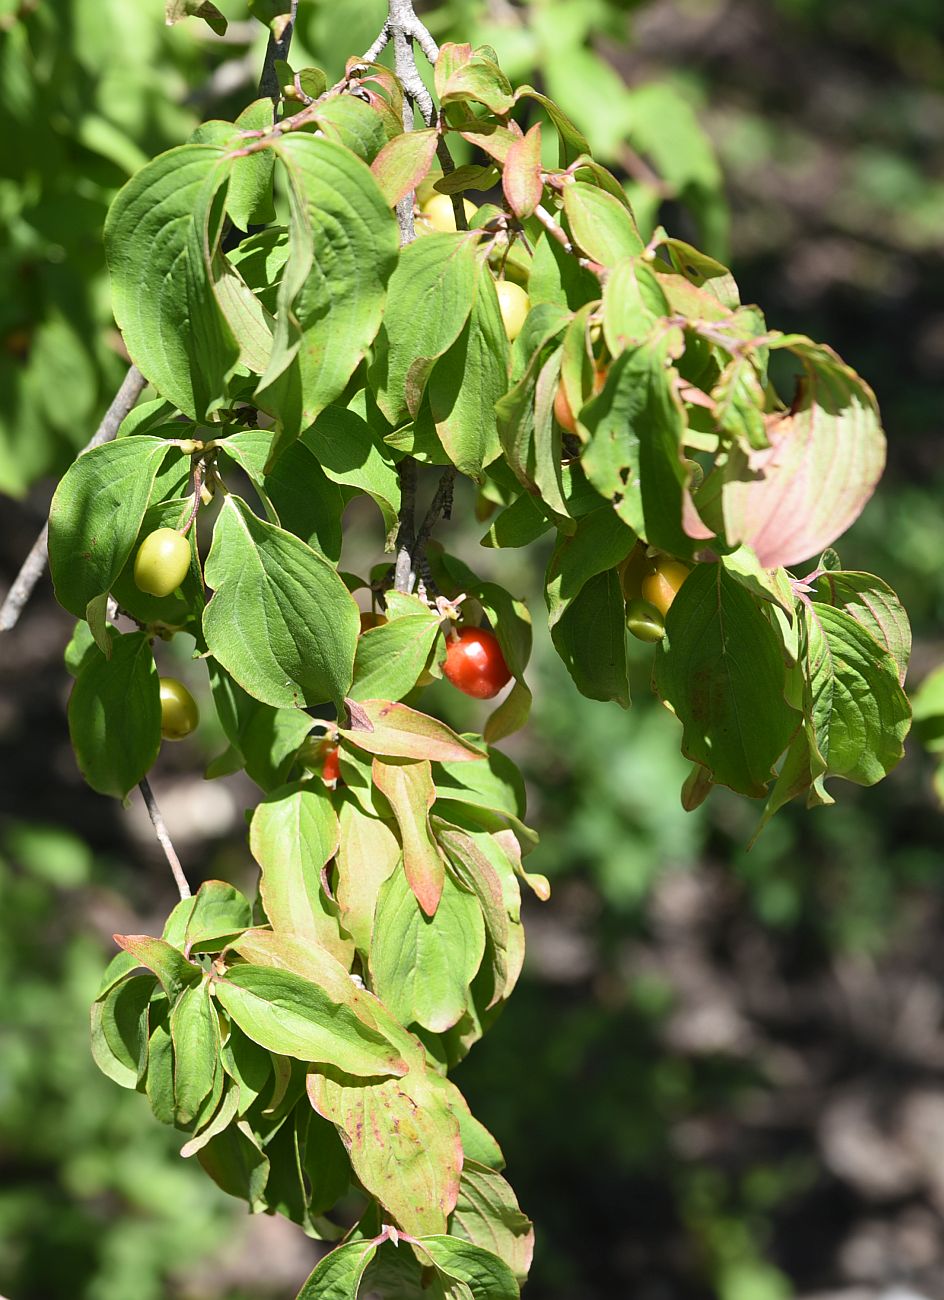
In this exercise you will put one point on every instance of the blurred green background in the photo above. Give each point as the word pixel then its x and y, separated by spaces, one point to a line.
pixel 722 1076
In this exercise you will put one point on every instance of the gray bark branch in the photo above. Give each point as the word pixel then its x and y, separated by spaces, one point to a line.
pixel 160 830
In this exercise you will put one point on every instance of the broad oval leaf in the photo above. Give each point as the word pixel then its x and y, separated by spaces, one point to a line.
pixel 115 714
pixel 488 1215
pixel 294 1017
pixel 602 225
pixel 159 236
pixel 486 1276
pixel 95 516
pixel 339 1275
pixel 393 730
pixel 280 621
pixel 195 1033
pixel 721 671
pixel 343 250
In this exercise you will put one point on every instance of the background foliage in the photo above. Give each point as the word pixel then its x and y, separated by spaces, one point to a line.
pixel 713 1081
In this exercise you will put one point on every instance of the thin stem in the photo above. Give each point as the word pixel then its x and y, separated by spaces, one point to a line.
pixel 35 563
pixel 440 508
pixel 160 830
pixel 277 49
pixel 403 574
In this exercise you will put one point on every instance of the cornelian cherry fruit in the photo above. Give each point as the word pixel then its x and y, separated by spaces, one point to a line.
pixel 475 664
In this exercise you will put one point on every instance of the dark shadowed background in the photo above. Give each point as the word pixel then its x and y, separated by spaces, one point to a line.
pixel 722 1075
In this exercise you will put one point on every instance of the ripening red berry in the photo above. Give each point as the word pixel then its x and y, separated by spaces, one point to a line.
pixel 475 664
pixel 331 770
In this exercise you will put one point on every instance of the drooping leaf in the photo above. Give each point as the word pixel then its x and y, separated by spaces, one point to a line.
pixel 602 226
pixel 403 162
pixel 120 1029
pixel 115 715
pixel 793 499
pixel 331 297
pixel 391 657
pixel 485 1275
pixel 368 853
pixel 403 1141
pixel 860 713
pixel 280 621
pixel 409 789
pixel 431 296
pixel 293 835
pixel 349 454
pixel 421 966
pixel 170 966
pixel 590 636
pixel 721 671
pixel 393 730
pixel 871 602
pixel 195 1031
pixel 217 912
pixel 95 516
pixel 488 1215
pixel 160 236
pixel 338 1276
pixel 294 1017
pixel 521 176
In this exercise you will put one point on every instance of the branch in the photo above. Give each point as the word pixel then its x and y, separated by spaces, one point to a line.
pixel 276 49
pixel 440 508
pixel 403 573
pixel 160 830
pixel 35 563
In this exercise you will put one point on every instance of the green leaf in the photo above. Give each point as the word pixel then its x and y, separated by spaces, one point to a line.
pixel 636 426
pixel 293 835
pixel 159 1080
pixel 403 162
pixel 602 226
pixel 368 853
pixel 602 541
pixel 487 1214
pixel 160 235
pixel 167 962
pixel 519 524
pixel 304 500
pixel 479 866
pixel 403 1141
pixel 463 75
pixel 237 1164
pixel 390 657
pixel 289 1015
pixel 115 715
pixel 590 637
pixel 632 302
pixel 280 621
pixel 468 380
pixel 431 293
pixel 95 516
pixel 175 10
pixel 484 1274
pixel 409 789
pixel 217 912
pixel 792 500
pixel 182 605
pixel 927 705
pixel 349 454
pixel 860 713
pixel 195 1032
pixel 720 670
pixel 330 304
pixel 120 1029
pixel 358 126
pixel 740 400
pixel 871 602
pixel 338 1276
pixel 573 142
pixel 421 967
pixel 393 730
pixel 261 737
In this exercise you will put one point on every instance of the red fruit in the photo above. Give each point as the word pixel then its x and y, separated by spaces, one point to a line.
pixel 331 771
pixel 475 664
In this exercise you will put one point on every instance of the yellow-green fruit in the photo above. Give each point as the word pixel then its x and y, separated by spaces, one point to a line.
pixel 162 562
pixel 661 588
pixel 439 212
pixel 179 712
pixel 515 305
pixel 644 621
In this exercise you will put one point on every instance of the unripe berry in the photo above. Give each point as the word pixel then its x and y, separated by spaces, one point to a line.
pixel 162 562
pixel 439 212
pixel 179 712
pixel 660 588
pixel 644 621
pixel 515 305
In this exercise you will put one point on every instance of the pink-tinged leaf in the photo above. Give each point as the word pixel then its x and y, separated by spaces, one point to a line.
pixel 167 962
pixel 410 791
pixel 494 140
pixel 403 1141
pixel 521 179
pixel 463 74
pixel 394 731
pixel 403 162
pixel 791 500
pixel 176 10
